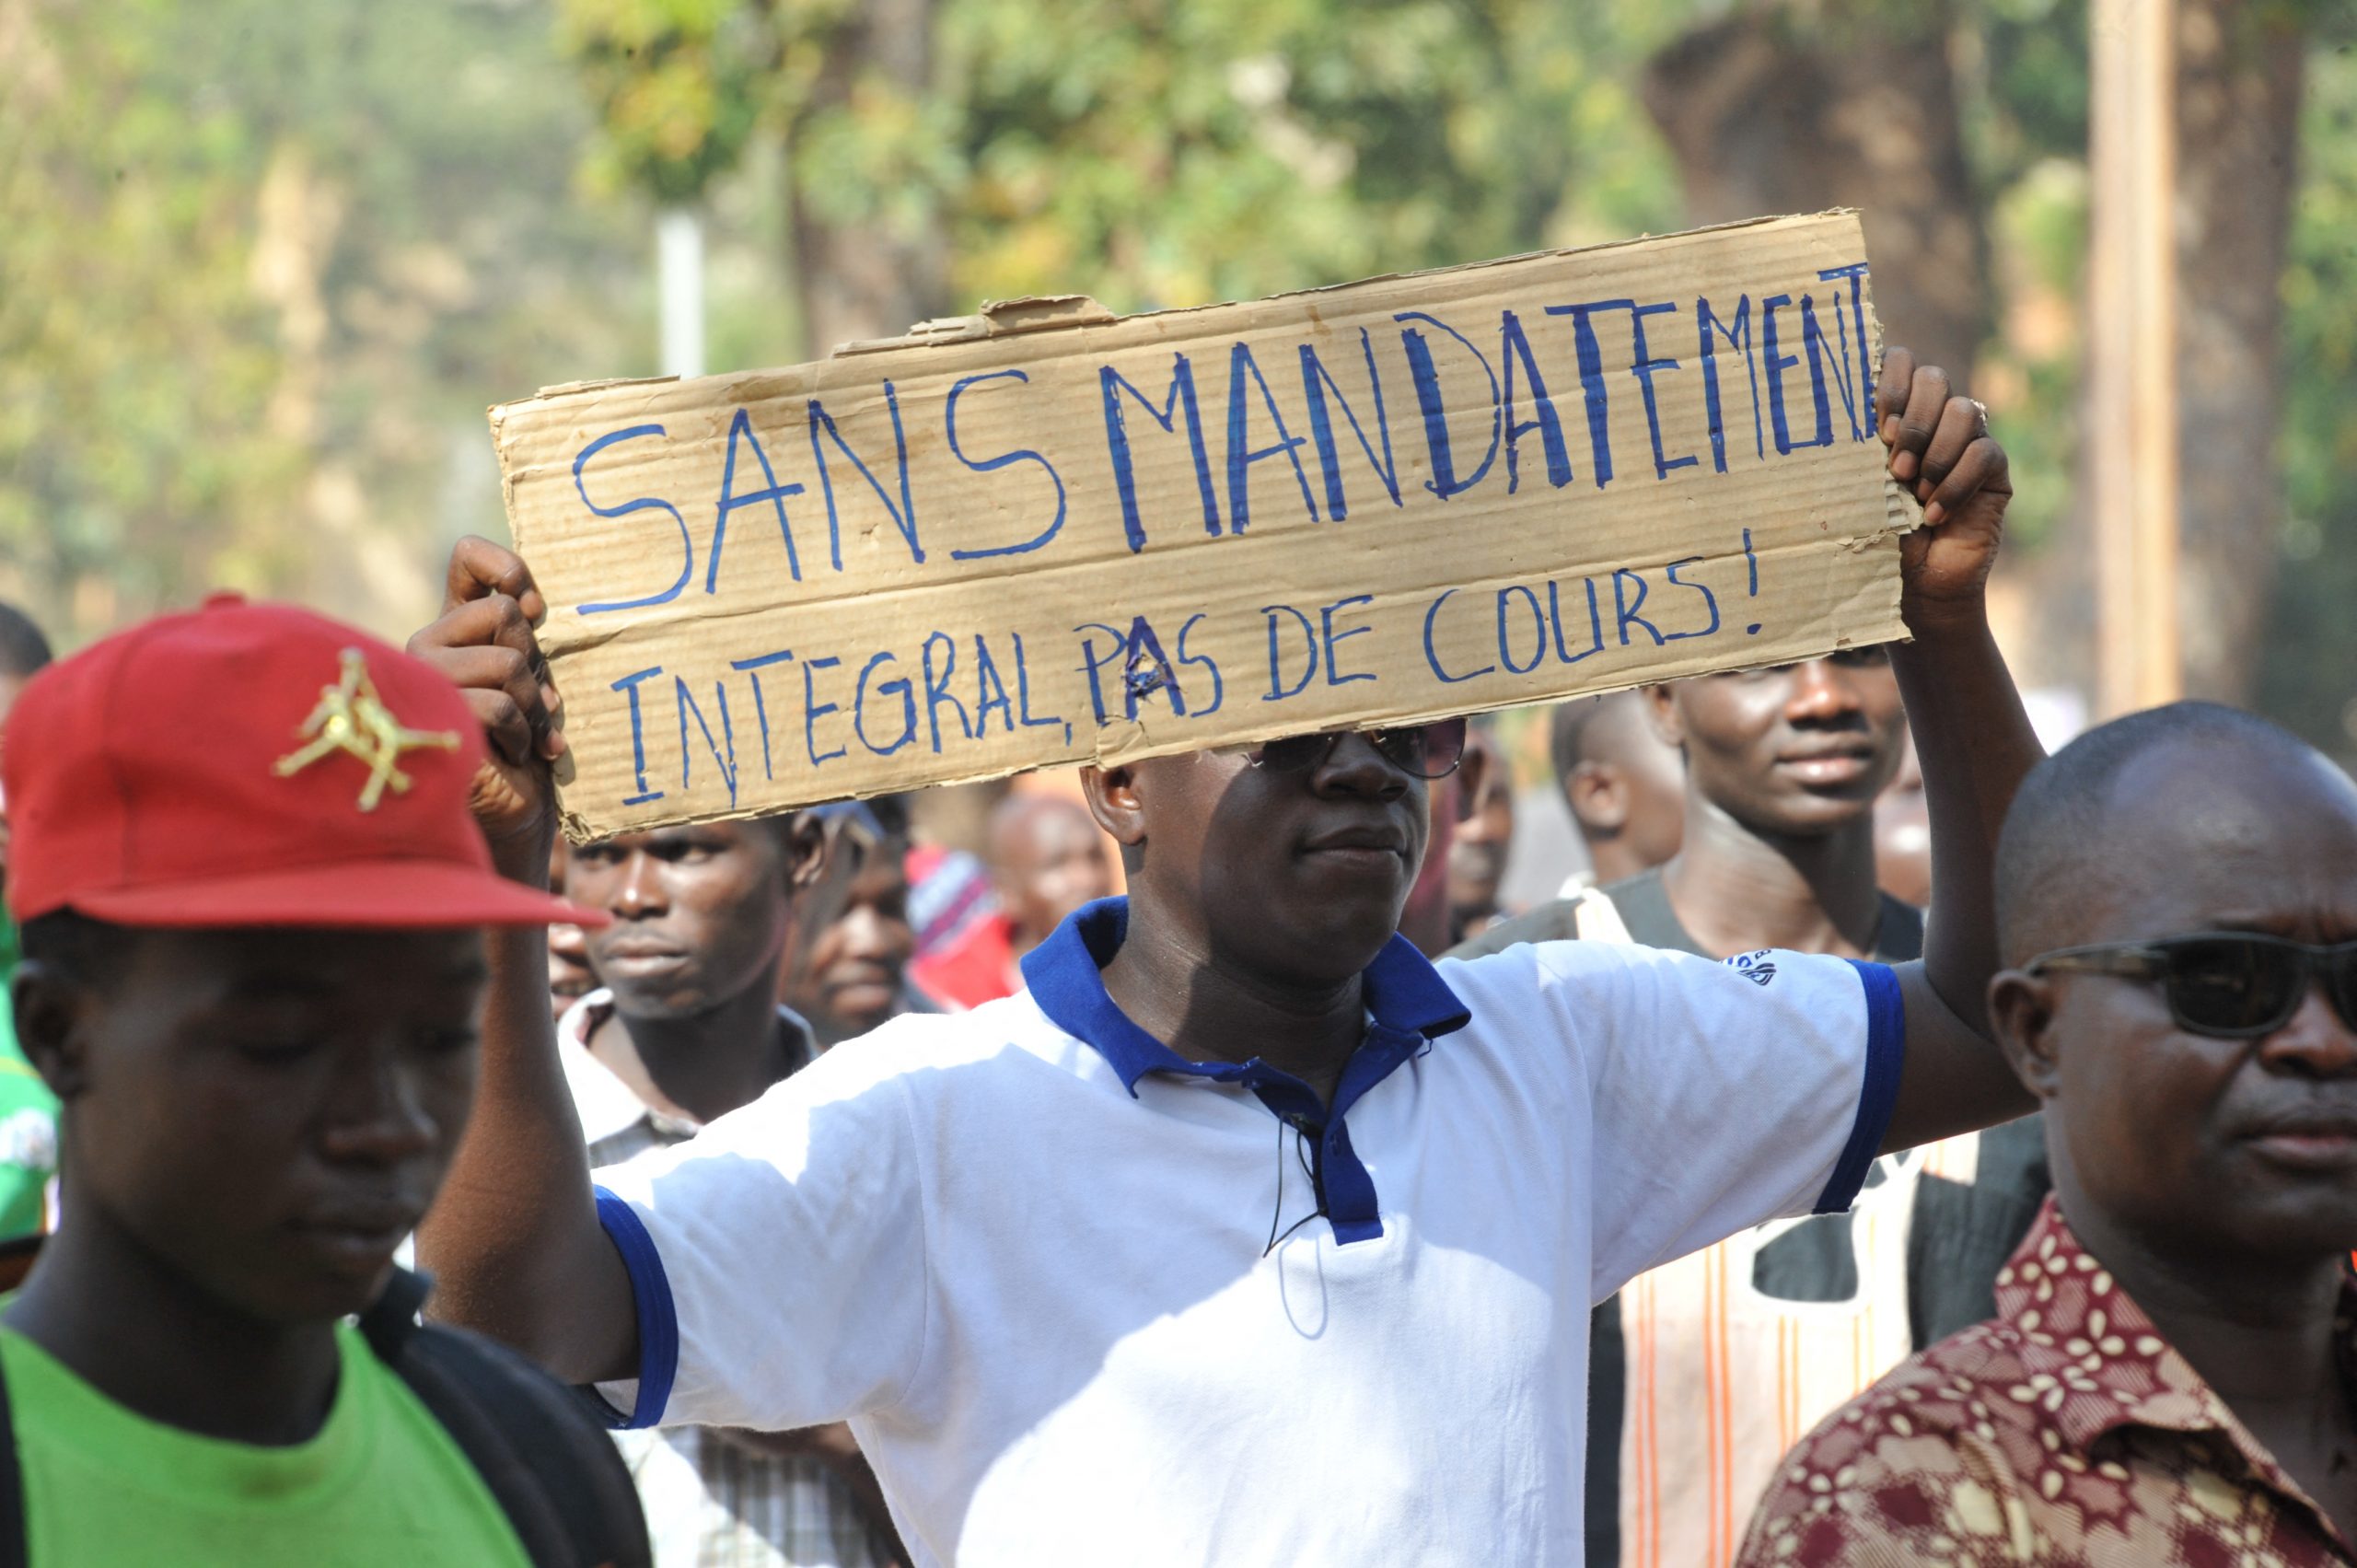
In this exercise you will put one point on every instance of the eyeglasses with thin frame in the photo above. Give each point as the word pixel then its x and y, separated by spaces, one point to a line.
pixel 2228 985
pixel 1421 750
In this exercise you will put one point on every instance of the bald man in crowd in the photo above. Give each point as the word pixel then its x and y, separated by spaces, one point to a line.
pixel 1625 786
pixel 846 965
pixel 1048 858
pixel 2170 1377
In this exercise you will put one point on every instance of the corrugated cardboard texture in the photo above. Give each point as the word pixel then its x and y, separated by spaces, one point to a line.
pixel 1045 534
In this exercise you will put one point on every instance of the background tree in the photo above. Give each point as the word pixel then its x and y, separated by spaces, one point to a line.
pixel 261 268
pixel 262 265
pixel 2241 66
pixel 1807 103
pixel 1768 111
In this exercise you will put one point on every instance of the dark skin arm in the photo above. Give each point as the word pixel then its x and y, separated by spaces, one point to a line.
pixel 514 1242
pixel 1975 742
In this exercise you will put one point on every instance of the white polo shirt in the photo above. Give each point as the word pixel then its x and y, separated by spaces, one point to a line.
pixel 1025 1251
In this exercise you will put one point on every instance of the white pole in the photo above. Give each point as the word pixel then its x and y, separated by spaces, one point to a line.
pixel 679 254
pixel 2133 405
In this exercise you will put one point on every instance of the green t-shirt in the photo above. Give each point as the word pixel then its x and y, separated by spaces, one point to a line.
pixel 381 1485
pixel 27 1116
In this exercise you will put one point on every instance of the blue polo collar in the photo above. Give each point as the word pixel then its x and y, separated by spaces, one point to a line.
pixel 1407 1000
pixel 1403 993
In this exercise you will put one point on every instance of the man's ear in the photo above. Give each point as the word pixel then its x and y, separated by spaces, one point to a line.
pixel 821 862
pixel 49 1009
pixel 2021 1013
pixel 1661 712
pixel 1598 797
pixel 1112 797
pixel 805 845
pixel 1472 777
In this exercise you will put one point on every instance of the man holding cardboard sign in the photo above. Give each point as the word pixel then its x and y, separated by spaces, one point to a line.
pixel 1244 1234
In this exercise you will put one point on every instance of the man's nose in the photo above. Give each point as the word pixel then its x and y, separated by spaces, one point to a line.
pixel 1354 767
pixel 866 934
pixel 1821 691
pixel 640 892
pixel 2317 1044
pixel 375 1112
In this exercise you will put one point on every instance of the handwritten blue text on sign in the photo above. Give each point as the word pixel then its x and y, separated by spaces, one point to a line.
pixel 1053 536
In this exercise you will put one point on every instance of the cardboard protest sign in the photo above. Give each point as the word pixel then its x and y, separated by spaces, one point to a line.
pixel 1047 535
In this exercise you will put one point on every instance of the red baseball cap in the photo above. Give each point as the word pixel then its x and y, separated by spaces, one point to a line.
pixel 252 764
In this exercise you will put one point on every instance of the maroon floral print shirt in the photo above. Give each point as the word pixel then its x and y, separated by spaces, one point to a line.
pixel 2063 1433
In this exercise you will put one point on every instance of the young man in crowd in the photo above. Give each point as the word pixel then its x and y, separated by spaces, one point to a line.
pixel 1245 1234
pixel 1746 1343
pixel 685 1028
pixel 846 965
pixel 1625 786
pixel 2170 1376
pixel 28 1111
pixel 252 900
pixel 1047 859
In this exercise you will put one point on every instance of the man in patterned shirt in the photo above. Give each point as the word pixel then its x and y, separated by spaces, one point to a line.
pixel 2171 1377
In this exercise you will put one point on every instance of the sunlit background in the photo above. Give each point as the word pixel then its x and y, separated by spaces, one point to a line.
pixel 264 264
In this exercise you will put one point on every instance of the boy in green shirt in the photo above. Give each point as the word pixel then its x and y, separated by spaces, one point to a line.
pixel 253 902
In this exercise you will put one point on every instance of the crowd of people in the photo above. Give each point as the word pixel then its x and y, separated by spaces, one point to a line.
pixel 1200 1166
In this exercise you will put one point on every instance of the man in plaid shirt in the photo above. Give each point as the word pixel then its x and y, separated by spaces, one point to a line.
pixel 683 1031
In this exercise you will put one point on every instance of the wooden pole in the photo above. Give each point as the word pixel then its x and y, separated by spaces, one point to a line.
pixel 2132 402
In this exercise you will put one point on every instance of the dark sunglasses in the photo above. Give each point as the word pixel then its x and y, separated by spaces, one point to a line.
pixel 1874 656
pixel 1422 750
pixel 2231 984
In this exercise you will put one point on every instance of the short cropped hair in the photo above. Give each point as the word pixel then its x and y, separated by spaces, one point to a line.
pixel 891 814
pixel 2053 847
pixel 87 951
pixel 23 650
pixel 1569 725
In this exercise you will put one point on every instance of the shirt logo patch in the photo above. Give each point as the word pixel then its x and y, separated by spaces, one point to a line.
pixel 1757 967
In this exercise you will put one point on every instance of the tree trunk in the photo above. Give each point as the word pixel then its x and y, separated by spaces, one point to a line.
pixel 2238 85
pixel 1765 114
pixel 875 275
pixel 2239 72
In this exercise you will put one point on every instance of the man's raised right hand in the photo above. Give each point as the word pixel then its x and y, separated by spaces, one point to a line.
pixel 483 642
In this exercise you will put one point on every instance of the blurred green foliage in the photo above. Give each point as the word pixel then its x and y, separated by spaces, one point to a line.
pixel 1155 154
pixel 262 265
pixel 135 359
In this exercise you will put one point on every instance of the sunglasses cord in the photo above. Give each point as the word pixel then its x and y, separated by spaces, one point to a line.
pixel 1277 1212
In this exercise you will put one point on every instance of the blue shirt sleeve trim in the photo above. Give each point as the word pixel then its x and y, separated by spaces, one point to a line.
pixel 659 1321
pixel 1886 1054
